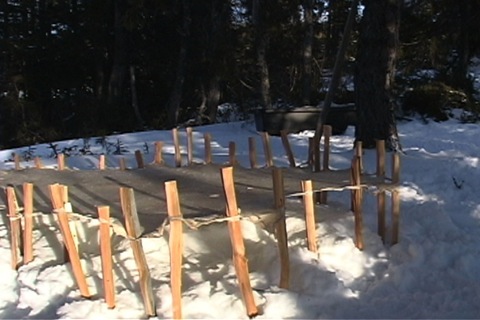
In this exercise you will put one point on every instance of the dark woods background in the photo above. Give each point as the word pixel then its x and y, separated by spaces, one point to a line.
pixel 71 68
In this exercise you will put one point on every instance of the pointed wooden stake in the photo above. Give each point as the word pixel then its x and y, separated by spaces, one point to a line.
pixel 267 148
pixel 101 162
pixel 208 148
pixel 158 152
pixel 357 203
pixel 133 227
pixel 309 215
pixel 61 161
pixel 238 247
pixel 381 225
pixel 106 256
pixel 15 229
pixel 28 228
pixel 176 246
pixel 38 163
pixel 189 145
pixel 327 133
pixel 56 196
pixel 176 144
pixel 123 166
pixel 281 228
pixel 395 216
pixel 288 149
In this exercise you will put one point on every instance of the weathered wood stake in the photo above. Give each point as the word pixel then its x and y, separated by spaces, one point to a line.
pixel 327 133
pixel 238 247
pixel 176 246
pixel 189 145
pixel 139 159
pixel 381 223
pixel 288 149
pixel 123 166
pixel 176 144
pixel 106 256
pixel 207 138
pixel 280 227
pixel 15 229
pixel 380 158
pixel 28 227
pixel 395 216
pixel 16 160
pixel 158 152
pixel 306 186
pixel 101 162
pixel 357 203
pixel 61 161
pixel 267 148
pixel 38 163
pixel 132 224
pixel 56 195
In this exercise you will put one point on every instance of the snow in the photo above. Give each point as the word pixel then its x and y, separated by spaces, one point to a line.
pixel 431 273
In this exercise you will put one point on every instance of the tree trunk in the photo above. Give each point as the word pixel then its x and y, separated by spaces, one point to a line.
pixel 173 105
pixel 307 52
pixel 262 40
pixel 375 72
pixel 133 89
pixel 120 58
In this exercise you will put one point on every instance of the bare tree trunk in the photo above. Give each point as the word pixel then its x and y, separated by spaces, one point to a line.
pixel 375 72
pixel 133 89
pixel 307 52
pixel 119 66
pixel 262 40
pixel 173 105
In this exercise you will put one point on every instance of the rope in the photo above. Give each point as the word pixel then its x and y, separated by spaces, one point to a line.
pixel 357 187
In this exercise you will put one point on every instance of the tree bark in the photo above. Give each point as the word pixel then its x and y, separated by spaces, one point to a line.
pixel 375 72
pixel 307 52
pixel 173 105
pixel 262 41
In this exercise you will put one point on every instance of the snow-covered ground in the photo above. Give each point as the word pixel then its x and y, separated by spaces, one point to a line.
pixel 431 273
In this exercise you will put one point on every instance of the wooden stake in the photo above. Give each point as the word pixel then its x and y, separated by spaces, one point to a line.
pixel 101 162
pixel 281 228
pixel 139 159
pixel 132 224
pixel 123 166
pixel 207 137
pixel 38 163
pixel 267 148
pixel 15 229
pixel 288 149
pixel 56 197
pixel 395 167
pixel 252 152
pixel 16 160
pixel 232 153
pixel 357 203
pixel 310 153
pixel 381 224
pixel 327 133
pixel 106 256
pixel 28 227
pixel 61 161
pixel 158 152
pixel 380 158
pixel 189 146
pixel 359 153
pixel 176 246
pixel 176 144
pixel 309 215
pixel 316 153
pixel 395 216
pixel 68 209
pixel 238 247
